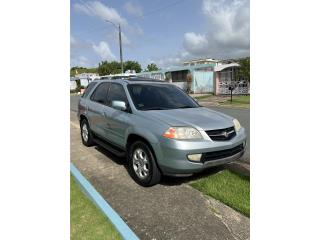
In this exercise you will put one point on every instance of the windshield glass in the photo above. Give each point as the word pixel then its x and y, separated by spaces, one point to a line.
pixel 159 97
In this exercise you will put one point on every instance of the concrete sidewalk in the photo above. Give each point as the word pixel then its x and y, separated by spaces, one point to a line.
pixel 170 210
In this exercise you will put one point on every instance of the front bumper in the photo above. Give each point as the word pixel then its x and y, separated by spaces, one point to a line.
pixel 172 154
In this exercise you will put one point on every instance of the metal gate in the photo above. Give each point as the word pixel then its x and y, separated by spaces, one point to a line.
pixel 241 87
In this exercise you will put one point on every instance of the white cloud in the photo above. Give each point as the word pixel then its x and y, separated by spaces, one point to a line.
pixel 195 42
pixel 78 44
pixel 114 36
pixel 83 61
pixel 173 60
pixel 137 30
pixel 133 9
pixel 125 40
pixel 98 9
pixel 82 8
pixel 103 50
pixel 228 35
pixel 80 61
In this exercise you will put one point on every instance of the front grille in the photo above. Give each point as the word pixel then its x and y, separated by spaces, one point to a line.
pixel 209 156
pixel 222 134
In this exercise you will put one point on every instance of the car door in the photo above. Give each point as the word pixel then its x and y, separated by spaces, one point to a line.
pixel 118 121
pixel 96 110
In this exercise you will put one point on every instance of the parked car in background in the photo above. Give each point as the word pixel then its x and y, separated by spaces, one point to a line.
pixel 158 127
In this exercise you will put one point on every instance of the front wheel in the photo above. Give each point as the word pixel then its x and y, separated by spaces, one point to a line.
pixel 142 165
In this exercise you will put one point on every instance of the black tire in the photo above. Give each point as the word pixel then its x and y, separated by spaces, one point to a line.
pixel 154 175
pixel 89 141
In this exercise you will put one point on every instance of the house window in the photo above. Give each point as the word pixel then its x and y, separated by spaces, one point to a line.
pixel 179 76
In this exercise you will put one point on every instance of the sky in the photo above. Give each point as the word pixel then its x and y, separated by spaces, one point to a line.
pixel 164 32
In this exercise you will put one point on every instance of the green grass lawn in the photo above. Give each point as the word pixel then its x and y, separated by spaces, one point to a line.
pixel 240 101
pixel 203 97
pixel 86 220
pixel 227 187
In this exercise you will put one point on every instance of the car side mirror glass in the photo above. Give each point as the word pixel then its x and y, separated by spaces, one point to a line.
pixel 119 105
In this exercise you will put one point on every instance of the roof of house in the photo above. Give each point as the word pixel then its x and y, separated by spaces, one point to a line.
pixel 224 66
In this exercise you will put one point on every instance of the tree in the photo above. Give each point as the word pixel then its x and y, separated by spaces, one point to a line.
pixel 152 67
pixel 107 68
pixel 132 65
pixel 244 70
pixel 114 67
pixel 79 70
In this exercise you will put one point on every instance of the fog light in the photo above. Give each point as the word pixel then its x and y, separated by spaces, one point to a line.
pixel 195 157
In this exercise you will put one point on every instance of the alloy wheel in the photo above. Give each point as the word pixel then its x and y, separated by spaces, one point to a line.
pixel 140 163
pixel 85 132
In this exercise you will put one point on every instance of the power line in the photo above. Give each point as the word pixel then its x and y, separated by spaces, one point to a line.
pixel 162 8
pixel 92 25
pixel 138 17
pixel 89 30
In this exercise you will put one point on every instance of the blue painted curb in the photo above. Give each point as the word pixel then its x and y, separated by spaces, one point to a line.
pixel 106 209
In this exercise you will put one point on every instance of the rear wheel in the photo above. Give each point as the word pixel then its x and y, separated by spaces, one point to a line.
pixel 142 164
pixel 86 134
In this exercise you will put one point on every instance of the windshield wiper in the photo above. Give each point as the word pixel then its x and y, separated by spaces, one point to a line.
pixel 153 108
pixel 186 107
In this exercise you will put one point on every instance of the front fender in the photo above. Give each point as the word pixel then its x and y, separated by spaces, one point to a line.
pixel 142 132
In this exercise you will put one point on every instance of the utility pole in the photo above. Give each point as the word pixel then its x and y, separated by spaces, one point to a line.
pixel 120 42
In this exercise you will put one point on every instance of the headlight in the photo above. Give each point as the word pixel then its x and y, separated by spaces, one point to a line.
pixel 182 133
pixel 237 124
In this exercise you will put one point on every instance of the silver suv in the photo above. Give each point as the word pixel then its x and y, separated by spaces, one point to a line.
pixel 158 127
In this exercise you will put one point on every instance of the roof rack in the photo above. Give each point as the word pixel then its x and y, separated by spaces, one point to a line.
pixel 118 76
pixel 131 78
pixel 143 79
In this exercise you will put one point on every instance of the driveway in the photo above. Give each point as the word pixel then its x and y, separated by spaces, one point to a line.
pixel 170 210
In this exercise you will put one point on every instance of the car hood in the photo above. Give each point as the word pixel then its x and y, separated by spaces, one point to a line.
pixel 201 117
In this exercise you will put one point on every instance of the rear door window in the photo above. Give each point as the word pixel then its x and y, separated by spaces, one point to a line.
pixel 88 89
pixel 100 95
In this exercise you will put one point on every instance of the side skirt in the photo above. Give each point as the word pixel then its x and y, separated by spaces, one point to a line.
pixel 108 146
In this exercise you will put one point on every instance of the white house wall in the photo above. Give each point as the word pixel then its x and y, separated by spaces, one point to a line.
pixel 73 85
pixel 84 82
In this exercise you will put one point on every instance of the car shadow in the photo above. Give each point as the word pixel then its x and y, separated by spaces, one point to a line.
pixel 166 180
pixel 173 181
pixel 111 156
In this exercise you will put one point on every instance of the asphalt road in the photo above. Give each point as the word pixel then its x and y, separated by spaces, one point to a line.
pixel 74 103
pixel 243 115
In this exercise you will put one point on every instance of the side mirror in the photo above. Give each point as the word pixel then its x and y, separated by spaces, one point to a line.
pixel 119 105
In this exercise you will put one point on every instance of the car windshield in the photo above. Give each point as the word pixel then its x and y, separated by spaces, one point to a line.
pixel 159 97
